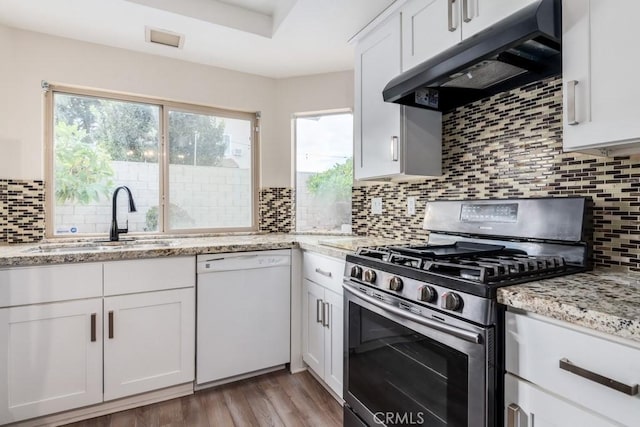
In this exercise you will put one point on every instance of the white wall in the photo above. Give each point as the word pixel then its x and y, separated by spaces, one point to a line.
pixel 26 58
pixel 321 92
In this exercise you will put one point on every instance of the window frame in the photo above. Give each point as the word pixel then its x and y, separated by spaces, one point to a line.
pixel 164 106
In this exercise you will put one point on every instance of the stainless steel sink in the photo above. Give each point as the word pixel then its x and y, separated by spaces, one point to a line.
pixel 102 245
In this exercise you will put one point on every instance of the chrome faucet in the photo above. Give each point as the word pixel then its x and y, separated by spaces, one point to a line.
pixel 114 234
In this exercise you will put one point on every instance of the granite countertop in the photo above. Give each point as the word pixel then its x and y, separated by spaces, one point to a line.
pixel 604 300
pixel 59 252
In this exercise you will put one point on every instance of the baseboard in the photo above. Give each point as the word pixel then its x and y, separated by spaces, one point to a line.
pixel 109 407
pixel 293 370
pixel 326 386
pixel 238 377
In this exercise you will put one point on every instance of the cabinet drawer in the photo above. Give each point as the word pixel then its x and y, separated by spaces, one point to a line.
pixel 532 403
pixel 126 277
pixel 324 271
pixel 34 285
pixel 535 348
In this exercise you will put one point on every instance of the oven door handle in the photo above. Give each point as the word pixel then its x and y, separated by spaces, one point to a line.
pixel 442 327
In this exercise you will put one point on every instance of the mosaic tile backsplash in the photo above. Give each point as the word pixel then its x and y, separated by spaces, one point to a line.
pixel 510 145
pixel 276 209
pixel 21 211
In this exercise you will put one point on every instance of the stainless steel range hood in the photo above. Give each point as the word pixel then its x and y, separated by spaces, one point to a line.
pixel 520 49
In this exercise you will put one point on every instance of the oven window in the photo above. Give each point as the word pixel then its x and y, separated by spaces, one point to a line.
pixel 402 376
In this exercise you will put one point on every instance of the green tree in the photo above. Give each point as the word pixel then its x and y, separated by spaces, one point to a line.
pixel 336 181
pixel 76 110
pixel 82 170
pixel 195 139
pixel 128 131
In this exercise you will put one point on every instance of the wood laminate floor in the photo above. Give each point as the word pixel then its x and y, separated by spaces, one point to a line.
pixel 275 399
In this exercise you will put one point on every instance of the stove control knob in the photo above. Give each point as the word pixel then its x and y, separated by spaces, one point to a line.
pixel 451 301
pixel 427 294
pixel 356 272
pixel 395 284
pixel 370 276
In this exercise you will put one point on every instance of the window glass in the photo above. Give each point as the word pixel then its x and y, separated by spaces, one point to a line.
pixel 324 172
pixel 100 143
pixel 210 171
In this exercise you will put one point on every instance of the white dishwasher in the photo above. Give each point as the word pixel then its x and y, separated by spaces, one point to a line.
pixel 243 315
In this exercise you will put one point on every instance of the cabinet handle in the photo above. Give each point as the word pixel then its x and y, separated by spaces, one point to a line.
pixel 324 273
pixel 319 311
pixel 111 325
pixel 513 415
pixel 465 11
pixel 93 327
pixel 452 27
pixel 571 103
pixel 566 365
pixel 394 148
pixel 325 314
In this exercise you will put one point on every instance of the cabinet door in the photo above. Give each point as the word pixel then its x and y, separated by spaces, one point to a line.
pixel 525 402
pixel 478 15
pixel 377 123
pixel 51 358
pixel 313 331
pixel 428 28
pixel 599 73
pixel 333 343
pixel 149 341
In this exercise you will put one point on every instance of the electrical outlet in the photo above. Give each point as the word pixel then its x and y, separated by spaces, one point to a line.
pixel 411 205
pixel 376 205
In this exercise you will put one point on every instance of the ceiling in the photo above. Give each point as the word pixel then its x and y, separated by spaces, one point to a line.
pixel 272 38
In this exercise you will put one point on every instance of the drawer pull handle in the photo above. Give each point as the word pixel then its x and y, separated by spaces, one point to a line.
pixel 513 415
pixel 566 365
pixel 450 23
pixel 325 314
pixel 465 11
pixel 319 311
pixel 93 327
pixel 110 325
pixel 571 103
pixel 324 273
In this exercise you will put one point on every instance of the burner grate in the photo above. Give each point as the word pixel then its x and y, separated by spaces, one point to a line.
pixel 487 270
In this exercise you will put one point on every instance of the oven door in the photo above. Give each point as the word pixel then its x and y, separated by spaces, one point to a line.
pixel 403 368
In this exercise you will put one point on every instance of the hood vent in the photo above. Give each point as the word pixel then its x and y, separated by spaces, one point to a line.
pixel 522 48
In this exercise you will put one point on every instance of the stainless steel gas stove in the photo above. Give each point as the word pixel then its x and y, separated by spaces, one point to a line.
pixel 423 331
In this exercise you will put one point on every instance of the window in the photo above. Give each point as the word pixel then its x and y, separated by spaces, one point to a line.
pixel 324 172
pixel 200 177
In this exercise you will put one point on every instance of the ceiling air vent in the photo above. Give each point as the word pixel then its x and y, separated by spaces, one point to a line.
pixel 164 37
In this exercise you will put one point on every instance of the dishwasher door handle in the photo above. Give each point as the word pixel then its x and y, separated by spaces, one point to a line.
pixel 237 257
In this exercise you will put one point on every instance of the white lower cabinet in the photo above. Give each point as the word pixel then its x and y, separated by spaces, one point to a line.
pixel 562 375
pixel 333 343
pixel 527 405
pixel 149 341
pixel 51 358
pixel 322 308
pixel 59 336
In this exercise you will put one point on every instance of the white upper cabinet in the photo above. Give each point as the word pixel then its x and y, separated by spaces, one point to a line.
pixel 428 28
pixel 599 68
pixel 480 14
pixel 390 140
pixel 432 26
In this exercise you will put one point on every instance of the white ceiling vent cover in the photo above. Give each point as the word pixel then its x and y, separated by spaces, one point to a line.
pixel 164 37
